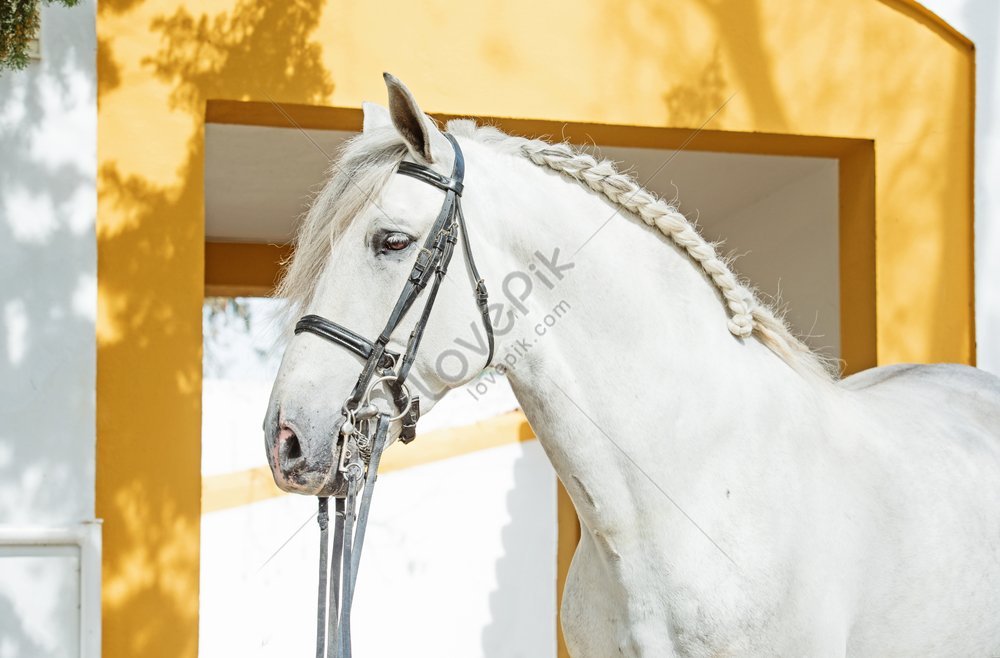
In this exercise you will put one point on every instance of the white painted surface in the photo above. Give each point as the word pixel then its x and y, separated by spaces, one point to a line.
pixel 258 181
pixel 48 200
pixel 57 573
pixel 787 243
pixel 48 261
pixel 47 581
pixel 460 554
pixel 777 215
pixel 979 20
pixel 462 557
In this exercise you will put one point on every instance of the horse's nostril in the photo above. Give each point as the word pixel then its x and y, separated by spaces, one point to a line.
pixel 290 449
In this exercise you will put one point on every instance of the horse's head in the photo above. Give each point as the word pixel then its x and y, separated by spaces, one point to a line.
pixel 354 255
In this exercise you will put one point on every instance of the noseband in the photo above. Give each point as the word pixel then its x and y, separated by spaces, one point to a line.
pixel 365 427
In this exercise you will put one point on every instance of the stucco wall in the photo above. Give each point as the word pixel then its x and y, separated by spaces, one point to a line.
pixel 47 264
pixel 980 21
pixel 48 201
pixel 652 65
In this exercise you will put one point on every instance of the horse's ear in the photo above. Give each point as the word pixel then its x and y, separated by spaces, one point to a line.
pixel 375 115
pixel 422 137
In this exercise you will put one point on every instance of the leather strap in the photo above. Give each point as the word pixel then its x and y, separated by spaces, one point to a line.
pixel 482 295
pixel 338 569
pixel 432 177
pixel 344 337
pixel 431 265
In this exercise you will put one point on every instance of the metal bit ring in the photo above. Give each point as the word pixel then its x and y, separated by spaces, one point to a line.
pixel 406 391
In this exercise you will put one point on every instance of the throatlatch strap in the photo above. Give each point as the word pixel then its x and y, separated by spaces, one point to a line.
pixel 453 186
pixel 482 295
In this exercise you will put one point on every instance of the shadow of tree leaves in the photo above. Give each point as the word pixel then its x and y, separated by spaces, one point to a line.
pixel 264 47
pixel 151 335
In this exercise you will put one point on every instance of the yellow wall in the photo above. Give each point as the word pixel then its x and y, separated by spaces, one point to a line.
pixel 884 72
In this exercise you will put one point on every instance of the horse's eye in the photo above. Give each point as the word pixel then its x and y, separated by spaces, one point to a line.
pixel 396 241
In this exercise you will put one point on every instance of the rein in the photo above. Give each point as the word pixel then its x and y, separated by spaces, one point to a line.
pixel 364 429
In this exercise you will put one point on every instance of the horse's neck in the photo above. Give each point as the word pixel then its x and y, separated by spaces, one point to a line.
pixel 638 367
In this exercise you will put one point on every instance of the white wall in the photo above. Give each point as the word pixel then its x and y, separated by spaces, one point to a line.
pixel 979 20
pixel 460 554
pixel 48 200
pixel 776 215
pixel 787 243
pixel 459 560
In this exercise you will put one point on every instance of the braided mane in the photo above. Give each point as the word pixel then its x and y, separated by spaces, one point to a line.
pixel 367 161
pixel 748 316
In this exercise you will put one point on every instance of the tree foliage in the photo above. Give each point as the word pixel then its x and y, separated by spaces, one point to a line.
pixel 19 22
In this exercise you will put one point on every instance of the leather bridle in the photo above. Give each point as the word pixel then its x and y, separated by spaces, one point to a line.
pixel 432 261
pixel 365 427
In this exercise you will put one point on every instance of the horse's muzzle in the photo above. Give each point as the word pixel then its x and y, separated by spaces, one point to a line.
pixel 306 465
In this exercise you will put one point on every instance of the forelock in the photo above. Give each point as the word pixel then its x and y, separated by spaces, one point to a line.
pixel 357 176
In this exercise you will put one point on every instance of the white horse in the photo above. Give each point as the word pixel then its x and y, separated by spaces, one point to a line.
pixel 735 498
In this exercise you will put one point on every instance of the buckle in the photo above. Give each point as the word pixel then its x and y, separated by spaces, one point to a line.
pixel 424 260
pixel 387 363
pixel 482 295
pixel 408 432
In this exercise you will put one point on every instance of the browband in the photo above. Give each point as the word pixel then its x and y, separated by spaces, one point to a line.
pixel 432 177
